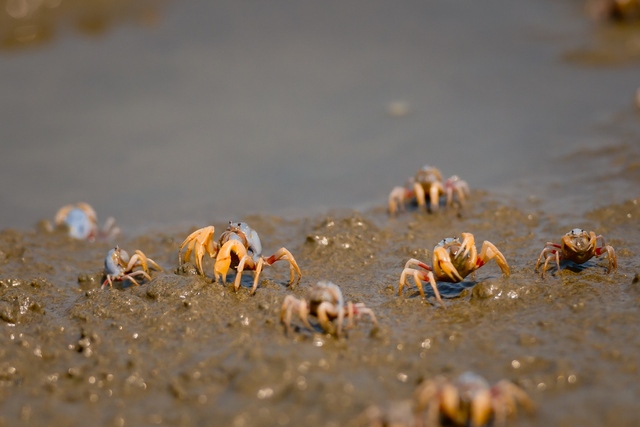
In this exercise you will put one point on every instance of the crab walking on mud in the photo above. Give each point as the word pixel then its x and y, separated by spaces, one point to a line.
pixel 452 262
pixel 118 266
pixel 326 303
pixel 428 183
pixel 239 247
pixel 469 400
pixel 82 222
pixel 578 246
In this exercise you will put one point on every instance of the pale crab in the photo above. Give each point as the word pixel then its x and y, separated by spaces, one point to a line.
pixel 239 246
pixel 469 400
pixel 326 303
pixel 119 266
pixel 452 262
pixel 82 222
pixel 428 183
pixel 578 246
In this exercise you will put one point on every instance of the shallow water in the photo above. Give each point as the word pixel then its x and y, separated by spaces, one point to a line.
pixel 171 116
pixel 166 112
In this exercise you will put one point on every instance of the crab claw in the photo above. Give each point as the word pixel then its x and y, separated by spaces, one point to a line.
pixel 442 259
pixel 481 408
pixel 467 243
pixel 223 260
pixel 488 252
pixel 200 241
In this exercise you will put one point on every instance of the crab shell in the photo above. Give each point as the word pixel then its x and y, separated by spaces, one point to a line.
pixel 325 291
pixel 116 261
pixel 428 175
pixel 246 235
pixel 579 245
pixel 80 218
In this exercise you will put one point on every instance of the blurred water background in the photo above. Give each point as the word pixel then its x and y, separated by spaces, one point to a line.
pixel 167 112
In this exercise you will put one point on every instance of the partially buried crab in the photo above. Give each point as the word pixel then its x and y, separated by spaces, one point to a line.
pixel 82 222
pixel 452 262
pixel 326 303
pixel 427 183
pixel 239 246
pixel 578 246
pixel 118 266
pixel 469 400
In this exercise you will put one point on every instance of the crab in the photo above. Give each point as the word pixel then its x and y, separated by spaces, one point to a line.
pixel 452 262
pixel 82 222
pixel 578 246
pixel 428 182
pixel 119 266
pixel 239 246
pixel 326 303
pixel 469 400
pixel 615 10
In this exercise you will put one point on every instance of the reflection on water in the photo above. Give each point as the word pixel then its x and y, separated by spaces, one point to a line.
pixel 28 23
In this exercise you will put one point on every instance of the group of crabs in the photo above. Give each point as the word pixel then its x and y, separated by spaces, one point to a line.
pixel 467 400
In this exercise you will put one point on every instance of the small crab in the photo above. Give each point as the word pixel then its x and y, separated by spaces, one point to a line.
pixel 452 262
pixel 578 246
pixel 615 10
pixel 326 303
pixel 239 246
pixel 469 400
pixel 428 182
pixel 118 266
pixel 82 222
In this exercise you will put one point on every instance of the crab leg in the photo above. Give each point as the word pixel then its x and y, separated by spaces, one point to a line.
pixel 554 254
pixel 421 198
pixel 256 275
pixel 360 309
pixel 284 254
pixel 417 275
pixel 488 252
pixel 136 273
pixel 434 196
pixel 457 185
pixel 291 303
pixel 140 256
pixel 350 315
pixel 506 395
pixel 396 199
pixel 550 247
pixel 611 254
pixel 416 263
pixel 240 269
pixel 613 260
pixel 327 310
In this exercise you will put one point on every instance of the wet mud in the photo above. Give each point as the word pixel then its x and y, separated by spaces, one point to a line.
pixel 183 350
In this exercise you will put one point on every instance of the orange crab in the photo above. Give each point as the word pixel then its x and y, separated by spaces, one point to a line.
pixel 239 246
pixel 469 400
pixel 452 262
pixel 578 246
pixel 428 183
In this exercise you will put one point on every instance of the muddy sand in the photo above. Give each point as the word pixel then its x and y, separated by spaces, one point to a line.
pixel 183 350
